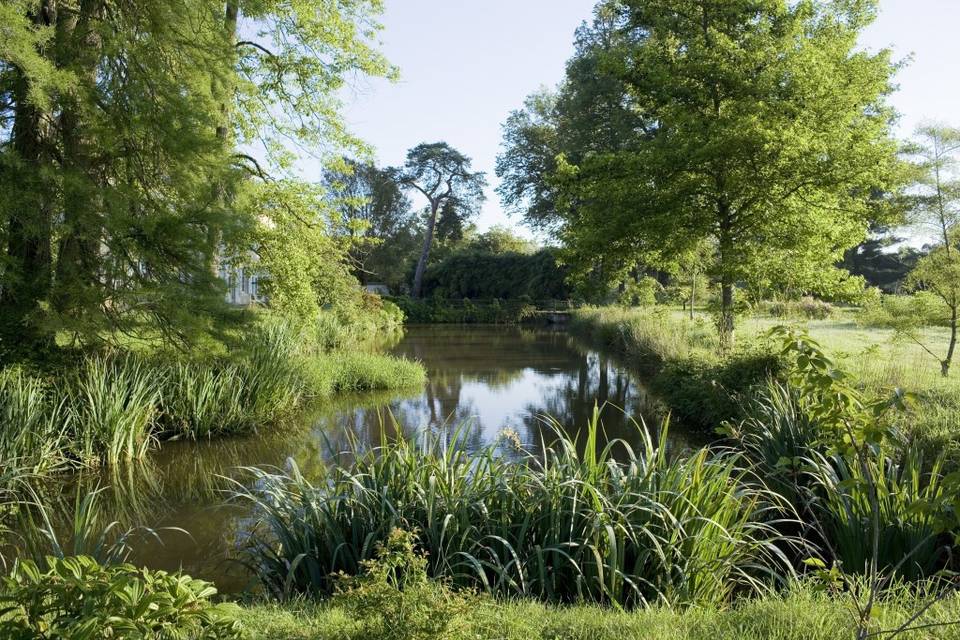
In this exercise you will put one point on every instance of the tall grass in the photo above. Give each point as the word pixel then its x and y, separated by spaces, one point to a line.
pixel 33 424
pixel 113 403
pixel 789 453
pixel 111 408
pixel 201 401
pixel 558 525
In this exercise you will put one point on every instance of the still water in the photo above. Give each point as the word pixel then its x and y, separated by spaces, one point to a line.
pixel 482 380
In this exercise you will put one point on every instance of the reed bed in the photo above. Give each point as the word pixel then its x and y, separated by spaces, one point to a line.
pixel 608 526
pixel 112 409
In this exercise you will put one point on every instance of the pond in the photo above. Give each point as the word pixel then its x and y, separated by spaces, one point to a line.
pixel 483 380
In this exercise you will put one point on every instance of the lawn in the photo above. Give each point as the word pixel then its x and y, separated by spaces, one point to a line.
pixel 803 616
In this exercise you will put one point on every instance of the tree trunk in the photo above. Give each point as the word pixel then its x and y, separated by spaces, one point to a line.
pixel 726 326
pixel 29 227
pixel 78 44
pixel 425 252
pixel 693 294
pixel 948 361
pixel 223 91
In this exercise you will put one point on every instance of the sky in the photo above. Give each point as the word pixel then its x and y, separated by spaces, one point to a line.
pixel 465 64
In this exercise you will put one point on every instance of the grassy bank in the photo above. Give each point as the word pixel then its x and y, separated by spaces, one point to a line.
pixel 802 615
pixel 701 388
pixel 112 408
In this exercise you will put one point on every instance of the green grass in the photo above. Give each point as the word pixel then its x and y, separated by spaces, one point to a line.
pixel 802 615
pixel 111 409
pixel 659 337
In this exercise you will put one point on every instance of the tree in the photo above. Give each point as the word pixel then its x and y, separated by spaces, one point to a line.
pixel 769 133
pixel 121 164
pixel 374 214
pixel 500 239
pixel 444 177
pixel 590 112
pixel 935 199
pixel 880 263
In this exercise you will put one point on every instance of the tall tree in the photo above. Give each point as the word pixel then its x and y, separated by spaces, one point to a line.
pixel 935 197
pixel 769 133
pixel 118 117
pixel 591 111
pixel 444 177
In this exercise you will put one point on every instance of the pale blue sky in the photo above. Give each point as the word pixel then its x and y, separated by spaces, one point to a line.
pixel 465 64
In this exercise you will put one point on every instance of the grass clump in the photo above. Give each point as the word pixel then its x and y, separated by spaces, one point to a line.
pixel 374 372
pixel 560 526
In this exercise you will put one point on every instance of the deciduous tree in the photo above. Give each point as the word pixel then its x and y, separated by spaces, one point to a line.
pixel 935 199
pixel 769 133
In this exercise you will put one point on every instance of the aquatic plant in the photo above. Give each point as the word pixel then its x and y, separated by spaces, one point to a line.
pixel 613 525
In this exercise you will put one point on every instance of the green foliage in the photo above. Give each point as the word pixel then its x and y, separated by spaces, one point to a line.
pixel 395 599
pixel 35 427
pixel 701 388
pixel 780 177
pixel 905 314
pixel 76 598
pixel 484 275
pixel 466 311
pixel 610 525
pixel 356 372
pixel 878 509
pixel 117 220
pixel 110 409
pixel 113 404
pixel 641 293
pixel 703 392
pixel 808 307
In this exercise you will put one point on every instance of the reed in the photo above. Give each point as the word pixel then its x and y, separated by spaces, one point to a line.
pixel 35 424
pixel 608 526
pixel 113 403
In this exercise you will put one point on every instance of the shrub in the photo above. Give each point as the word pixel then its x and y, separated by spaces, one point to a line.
pixel 704 392
pixel 807 307
pixel 466 311
pixel 395 599
pixel 484 275
pixel 642 293
pixel 76 597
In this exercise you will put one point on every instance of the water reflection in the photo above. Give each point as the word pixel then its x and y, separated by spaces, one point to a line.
pixel 481 379
pixel 496 378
